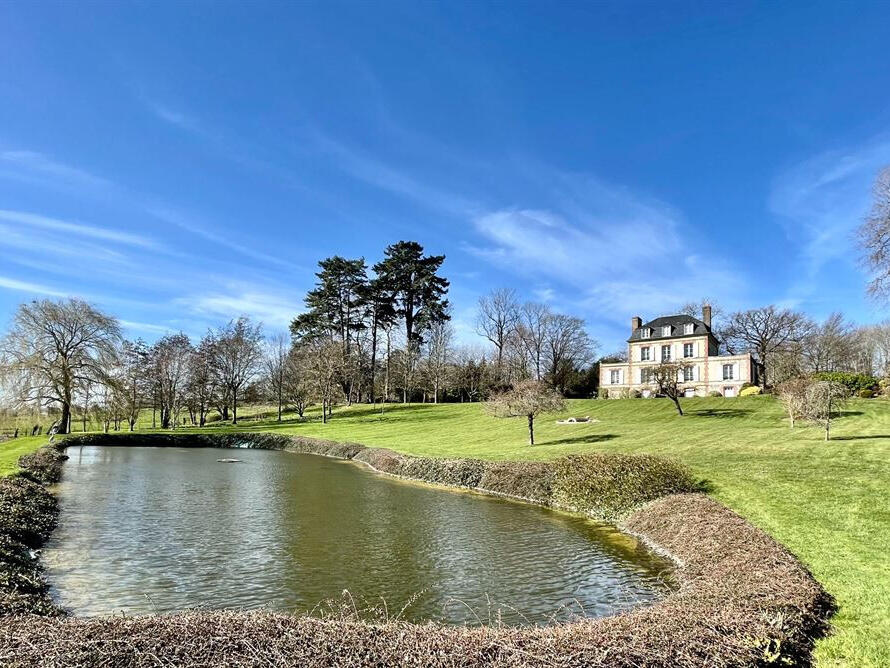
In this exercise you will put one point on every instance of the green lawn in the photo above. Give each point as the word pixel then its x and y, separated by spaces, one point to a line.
pixel 827 502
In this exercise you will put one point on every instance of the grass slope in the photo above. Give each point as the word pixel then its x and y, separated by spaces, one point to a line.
pixel 827 502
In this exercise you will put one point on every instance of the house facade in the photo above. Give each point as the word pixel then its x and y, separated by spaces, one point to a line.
pixel 682 339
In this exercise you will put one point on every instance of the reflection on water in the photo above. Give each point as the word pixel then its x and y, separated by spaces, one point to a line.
pixel 161 529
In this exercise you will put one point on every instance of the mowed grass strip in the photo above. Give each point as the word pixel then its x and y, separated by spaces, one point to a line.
pixel 827 502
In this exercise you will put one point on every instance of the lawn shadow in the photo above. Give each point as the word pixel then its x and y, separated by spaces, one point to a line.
pixel 859 438
pixel 720 412
pixel 589 438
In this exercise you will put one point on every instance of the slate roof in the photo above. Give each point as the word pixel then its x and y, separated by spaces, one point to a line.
pixel 677 322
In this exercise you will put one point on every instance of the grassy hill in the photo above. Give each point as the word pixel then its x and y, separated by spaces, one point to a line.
pixel 827 502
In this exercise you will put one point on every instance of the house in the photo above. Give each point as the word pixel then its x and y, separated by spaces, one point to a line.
pixel 682 339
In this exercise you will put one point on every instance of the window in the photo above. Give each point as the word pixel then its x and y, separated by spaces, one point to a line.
pixel 644 354
pixel 688 328
pixel 688 375
pixel 615 376
pixel 665 353
pixel 666 330
pixel 646 333
pixel 646 375
pixel 688 350
pixel 727 371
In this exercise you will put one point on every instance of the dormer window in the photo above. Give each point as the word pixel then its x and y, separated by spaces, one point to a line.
pixel 688 328
pixel 646 333
pixel 666 330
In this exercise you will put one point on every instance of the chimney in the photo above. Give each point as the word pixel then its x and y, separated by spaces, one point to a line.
pixel 635 323
pixel 706 314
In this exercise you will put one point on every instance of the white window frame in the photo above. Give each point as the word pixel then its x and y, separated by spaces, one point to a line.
pixel 691 348
pixel 666 358
pixel 689 328
pixel 731 375
pixel 666 330
pixel 646 333
pixel 645 375
pixel 615 377
pixel 645 354
pixel 688 374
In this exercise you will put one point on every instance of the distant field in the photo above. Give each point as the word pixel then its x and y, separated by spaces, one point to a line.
pixel 827 502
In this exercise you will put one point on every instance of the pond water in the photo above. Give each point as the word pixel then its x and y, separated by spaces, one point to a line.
pixel 146 530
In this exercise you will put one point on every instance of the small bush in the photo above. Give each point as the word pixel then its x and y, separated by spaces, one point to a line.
pixel 750 391
pixel 715 393
pixel 746 385
pixel 866 394
pixel 608 486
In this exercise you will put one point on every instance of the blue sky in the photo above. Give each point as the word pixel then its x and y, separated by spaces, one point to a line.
pixel 182 163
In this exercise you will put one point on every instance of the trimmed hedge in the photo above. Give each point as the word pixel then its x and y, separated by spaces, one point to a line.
pixel 743 599
pixel 608 486
pixel 28 514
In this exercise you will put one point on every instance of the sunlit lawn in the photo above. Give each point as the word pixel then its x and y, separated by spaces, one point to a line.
pixel 827 502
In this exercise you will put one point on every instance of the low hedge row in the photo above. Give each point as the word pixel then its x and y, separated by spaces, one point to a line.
pixel 743 600
pixel 28 514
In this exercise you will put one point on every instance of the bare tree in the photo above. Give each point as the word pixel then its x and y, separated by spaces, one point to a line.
pixel 531 335
pixel 170 356
pixel 497 319
pixel 324 361
pixel 667 379
pixel 237 355
pixel 566 346
pixel 296 387
pixel 202 388
pixel 874 238
pixel 439 351
pixel 52 348
pixel 823 401
pixel 133 378
pixel 276 360
pixel 528 399
pixel 793 396
pixel 767 332
pixel 831 346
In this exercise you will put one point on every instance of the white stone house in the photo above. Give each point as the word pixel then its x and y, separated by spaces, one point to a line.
pixel 677 338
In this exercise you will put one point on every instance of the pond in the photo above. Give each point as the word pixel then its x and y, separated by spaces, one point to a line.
pixel 146 530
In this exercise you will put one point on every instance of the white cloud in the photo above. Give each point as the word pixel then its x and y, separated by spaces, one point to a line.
pixel 822 200
pixel 275 311
pixel 75 228
pixel 35 165
pixel 31 288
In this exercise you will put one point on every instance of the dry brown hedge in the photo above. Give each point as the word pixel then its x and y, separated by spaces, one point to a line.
pixel 743 600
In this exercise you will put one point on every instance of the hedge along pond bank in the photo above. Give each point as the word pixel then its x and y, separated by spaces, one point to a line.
pixel 743 600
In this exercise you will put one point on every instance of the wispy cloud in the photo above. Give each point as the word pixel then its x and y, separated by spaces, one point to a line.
pixel 823 199
pixel 219 237
pixel 76 228
pixel 32 165
pixel 274 310
pixel 30 288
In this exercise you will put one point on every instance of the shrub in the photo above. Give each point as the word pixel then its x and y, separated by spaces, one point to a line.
pixel 527 480
pixel 866 394
pixel 28 512
pixel 454 472
pixel 715 393
pixel 608 486
pixel 852 381
pixel 635 394
pixel 43 465
pixel 750 391
pixel 746 385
